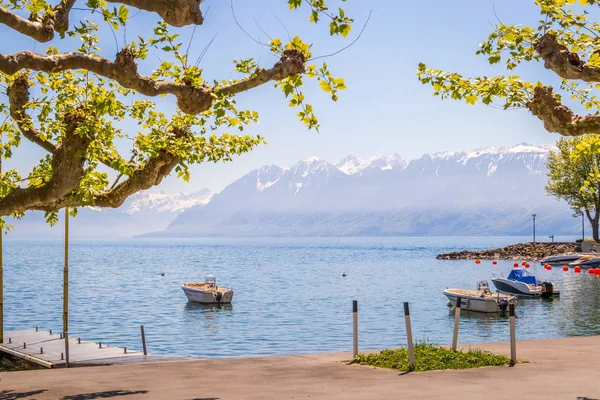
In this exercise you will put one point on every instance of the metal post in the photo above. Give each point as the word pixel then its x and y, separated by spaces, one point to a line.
pixel 67 349
pixel 513 338
pixel 355 328
pixel 533 215
pixel 409 339
pixel 582 227
pixel 456 319
pixel 66 277
pixel 143 339
pixel 125 350
pixel 1 266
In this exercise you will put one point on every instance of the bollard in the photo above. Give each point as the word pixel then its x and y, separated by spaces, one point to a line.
pixel 66 349
pixel 125 350
pixel 36 328
pixel 9 340
pixel 78 340
pixel 41 350
pixel 24 345
pixel 61 336
pixel 99 345
pixel 354 328
pixel 51 331
pixel 411 350
pixel 456 319
pixel 143 340
pixel 62 356
pixel 513 338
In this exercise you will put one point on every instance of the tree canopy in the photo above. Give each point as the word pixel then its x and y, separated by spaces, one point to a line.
pixel 72 102
pixel 574 176
pixel 566 40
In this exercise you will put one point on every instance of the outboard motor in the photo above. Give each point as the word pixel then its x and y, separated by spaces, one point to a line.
pixel 503 305
pixel 547 289
pixel 218 296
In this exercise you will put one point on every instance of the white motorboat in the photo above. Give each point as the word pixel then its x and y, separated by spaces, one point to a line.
pixel 522 283
pixel 566 258
pixel 207 292
pixel 587 261
pixel 481 300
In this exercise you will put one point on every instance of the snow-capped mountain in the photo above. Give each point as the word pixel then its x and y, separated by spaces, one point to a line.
pixel 161 202
pixel 141 213
pixel 484 191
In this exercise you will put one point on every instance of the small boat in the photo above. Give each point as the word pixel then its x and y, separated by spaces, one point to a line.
pixel 522 283
pixel 587 261
pixel 207 292
pixel 481 300
pixel 566 258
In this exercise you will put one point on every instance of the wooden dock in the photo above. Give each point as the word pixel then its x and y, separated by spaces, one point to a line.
pixel 48 350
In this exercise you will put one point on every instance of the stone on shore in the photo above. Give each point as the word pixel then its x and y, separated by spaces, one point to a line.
pixel 520 251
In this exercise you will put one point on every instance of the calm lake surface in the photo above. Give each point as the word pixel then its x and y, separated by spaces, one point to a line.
pixel 290 296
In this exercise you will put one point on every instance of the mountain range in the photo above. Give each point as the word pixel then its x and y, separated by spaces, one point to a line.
pixel 489 191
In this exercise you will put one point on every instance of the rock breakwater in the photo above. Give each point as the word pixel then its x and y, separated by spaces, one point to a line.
pixel 520 251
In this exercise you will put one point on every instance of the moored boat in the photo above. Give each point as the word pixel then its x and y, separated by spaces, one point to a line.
pixel 207 292
pixel 481 300
pixel 566 258
pixel 587 261
pixel 522 283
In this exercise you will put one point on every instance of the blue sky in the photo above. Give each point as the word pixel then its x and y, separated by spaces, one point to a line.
pixel 384 110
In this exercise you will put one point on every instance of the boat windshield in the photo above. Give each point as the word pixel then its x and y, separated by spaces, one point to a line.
pixel 210 280
pixel 522 276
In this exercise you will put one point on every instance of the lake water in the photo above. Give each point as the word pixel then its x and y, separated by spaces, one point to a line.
pixel 290 296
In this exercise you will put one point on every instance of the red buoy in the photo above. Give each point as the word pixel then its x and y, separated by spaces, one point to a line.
pixel 516 265
pixel 546 265
pixel 577 269
pixel 494 262
pixel 478 261
pixel 549 268
pixel 523 263
pixel 591 271
pixel 565 268
pixel 597 271
pixel 526 265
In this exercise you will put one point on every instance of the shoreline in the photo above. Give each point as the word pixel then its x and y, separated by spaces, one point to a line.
pixel 530 251
pixel 559 368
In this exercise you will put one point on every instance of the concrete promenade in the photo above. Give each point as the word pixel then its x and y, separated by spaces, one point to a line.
pixel 557 369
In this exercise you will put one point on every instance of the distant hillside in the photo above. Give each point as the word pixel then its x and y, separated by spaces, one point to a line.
pixel 490 191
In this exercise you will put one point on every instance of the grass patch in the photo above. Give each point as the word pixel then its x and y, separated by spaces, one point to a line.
pixel 430 357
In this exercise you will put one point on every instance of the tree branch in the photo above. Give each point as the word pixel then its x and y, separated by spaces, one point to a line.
pixel 42 31
pixel 190 100
pixel 559 118
pixel 18 97
pixel 565 64
pixel 68 167
pixel 291 63
pixel 174 12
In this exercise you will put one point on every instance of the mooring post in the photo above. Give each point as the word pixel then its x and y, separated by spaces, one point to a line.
pixel 143 340
pixel 67 349
pixel 66 277
pixel 36 328
pixel 409 339
pixel 41 350
pixel 456 320
pixel 513 338
pixel 125 350
pixel 355 328
pixel 50 331
pixel 78 340
pixel 62 356
pixel 9 340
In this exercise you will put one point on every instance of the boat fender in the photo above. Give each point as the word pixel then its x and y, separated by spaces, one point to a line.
pixel 218 296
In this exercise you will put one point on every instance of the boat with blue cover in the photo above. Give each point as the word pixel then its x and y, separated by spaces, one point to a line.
pixel 523 283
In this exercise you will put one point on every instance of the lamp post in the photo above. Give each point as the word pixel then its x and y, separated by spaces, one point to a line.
pixel 582 227
pixel 533 215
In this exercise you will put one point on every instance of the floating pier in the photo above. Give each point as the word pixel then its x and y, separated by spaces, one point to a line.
pixel 47 349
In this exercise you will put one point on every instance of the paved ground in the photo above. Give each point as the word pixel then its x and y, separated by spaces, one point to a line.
pixel 558 369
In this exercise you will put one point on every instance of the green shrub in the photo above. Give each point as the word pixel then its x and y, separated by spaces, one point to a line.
pixel 431 357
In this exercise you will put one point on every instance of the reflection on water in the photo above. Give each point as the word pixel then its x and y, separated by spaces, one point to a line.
pixel 207 308
pixel 290 296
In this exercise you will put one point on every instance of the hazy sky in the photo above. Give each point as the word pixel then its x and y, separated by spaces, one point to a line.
pixel 384 110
